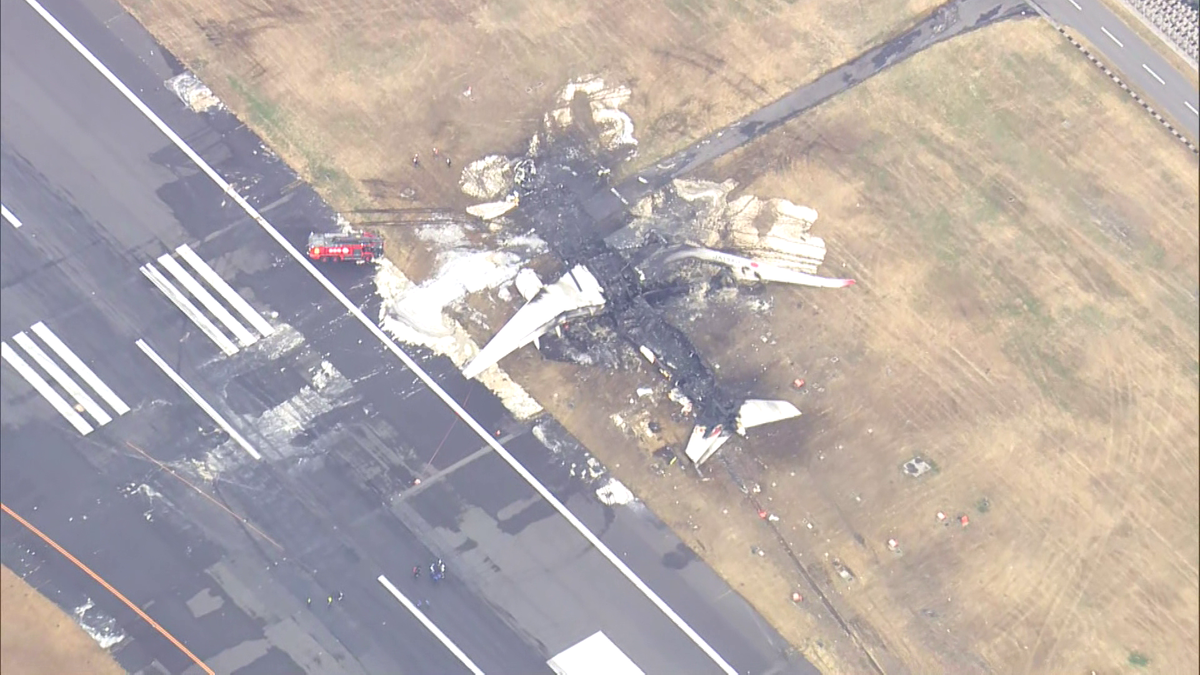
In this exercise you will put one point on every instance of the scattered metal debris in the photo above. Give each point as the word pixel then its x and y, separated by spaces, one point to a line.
pixel 917 467
pixel 843 571
pixel 194 93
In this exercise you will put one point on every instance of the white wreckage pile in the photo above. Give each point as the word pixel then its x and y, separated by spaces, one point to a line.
pixel 608 285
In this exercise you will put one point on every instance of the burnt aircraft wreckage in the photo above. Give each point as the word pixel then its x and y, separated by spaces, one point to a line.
pixel 613 285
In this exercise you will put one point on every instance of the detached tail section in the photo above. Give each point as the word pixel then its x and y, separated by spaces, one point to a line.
pixel 576 293
pixel 756 412
pixel 704 441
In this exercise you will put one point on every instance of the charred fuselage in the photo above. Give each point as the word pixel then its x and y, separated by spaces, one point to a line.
pixel 567 200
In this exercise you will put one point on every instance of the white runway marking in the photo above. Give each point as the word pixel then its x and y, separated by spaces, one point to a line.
pixel 244 337
pixel 39 329
pixel 1076 5
pixel 387 342
pixel 199 400
pixel 1111 36
pixel 8 215
pixel 185 305
pixel 437 632
pixel 63 380
pixel 1153 74
pixel 260 324
pixel 31 376
pixel 1192 108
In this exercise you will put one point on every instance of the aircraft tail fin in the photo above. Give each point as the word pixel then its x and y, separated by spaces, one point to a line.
pixel 756 412
pixel 705 442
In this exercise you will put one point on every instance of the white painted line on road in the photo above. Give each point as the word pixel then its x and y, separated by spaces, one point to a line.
pixel 437 632
pixel 243 336
pixel 1153 74
pixel 1111 36
pixel 1076 5
pixel 63 380
pixel 10 355
pixel 80 368
pixel 387 342
pixel 260 324
pixel 181 301
pixel 195 396
pixel 8 215
pixel 1193 109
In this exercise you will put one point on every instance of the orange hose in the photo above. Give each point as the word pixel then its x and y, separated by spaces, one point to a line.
pixel 105 584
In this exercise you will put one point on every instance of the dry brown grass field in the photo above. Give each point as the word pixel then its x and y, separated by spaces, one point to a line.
pixel 36 637
pixel 1026 243
pixel 348 90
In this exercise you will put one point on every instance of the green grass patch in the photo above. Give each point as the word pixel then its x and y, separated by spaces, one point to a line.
pixel 262 113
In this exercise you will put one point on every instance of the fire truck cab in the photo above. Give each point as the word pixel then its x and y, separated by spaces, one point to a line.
pixel 355 246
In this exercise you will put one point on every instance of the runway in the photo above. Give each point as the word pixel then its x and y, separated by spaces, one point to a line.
pixel 194 416
pixel 1138 63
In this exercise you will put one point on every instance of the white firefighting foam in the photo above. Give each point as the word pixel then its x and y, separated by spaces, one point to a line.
pixel 614 125
pixel 416 313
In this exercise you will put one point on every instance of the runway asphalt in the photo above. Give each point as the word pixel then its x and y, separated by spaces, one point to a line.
pixel 223 550
pixel 1138 63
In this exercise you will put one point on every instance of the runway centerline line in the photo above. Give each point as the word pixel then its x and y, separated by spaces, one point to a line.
pixel 1153 74
pixel 437 632
pixel 1192 108
pixel 1112 37
pixel 387 341
pixel 197 399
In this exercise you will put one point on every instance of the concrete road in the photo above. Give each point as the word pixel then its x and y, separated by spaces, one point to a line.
pixel 1168 90
pixel 223 461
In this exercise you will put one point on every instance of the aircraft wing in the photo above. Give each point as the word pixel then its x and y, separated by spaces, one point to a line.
pixel 576 293
pixel 747 269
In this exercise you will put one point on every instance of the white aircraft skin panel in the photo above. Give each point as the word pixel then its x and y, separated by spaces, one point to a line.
pixel 528 284
pixel 746 269
pixel 757 412
pixel 576 293
pixel 595 655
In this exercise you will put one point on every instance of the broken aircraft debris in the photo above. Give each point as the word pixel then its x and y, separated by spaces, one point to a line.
pixel 608 293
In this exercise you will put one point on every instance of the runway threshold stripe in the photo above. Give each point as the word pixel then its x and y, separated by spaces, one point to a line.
pixel 81 397
pixel 39 383
pixel 185 305
pixel 437 632
pixel 244 337
pixel 386 341
pixel 86 374
pixel 239 303
pixel 138 610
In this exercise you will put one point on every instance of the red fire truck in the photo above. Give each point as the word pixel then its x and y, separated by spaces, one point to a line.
pixel 359 247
